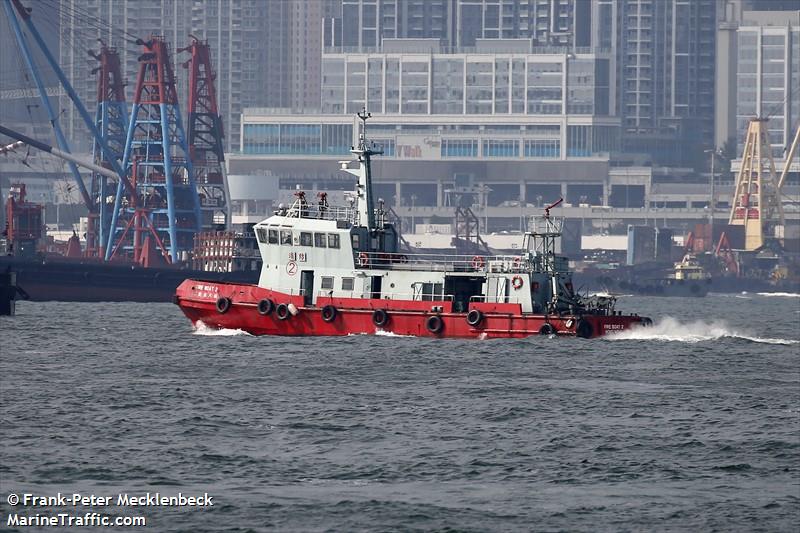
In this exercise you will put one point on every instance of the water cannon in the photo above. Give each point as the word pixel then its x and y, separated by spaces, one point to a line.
pixel 551 206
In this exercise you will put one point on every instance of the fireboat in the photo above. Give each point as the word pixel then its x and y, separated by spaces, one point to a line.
pixel 331 270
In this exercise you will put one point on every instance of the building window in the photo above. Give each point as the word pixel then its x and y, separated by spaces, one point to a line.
pixel 306 239
pixel 543 148
pixel 348 284
pixel 459 148
pixel 319 240
pixel 326 283
pixel 503 148
pixel 286 237
pixel 333 240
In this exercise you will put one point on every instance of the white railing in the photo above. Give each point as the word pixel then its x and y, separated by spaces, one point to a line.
pixel 498 299
pixel 333 212
pixel 322 294
pixel 442 262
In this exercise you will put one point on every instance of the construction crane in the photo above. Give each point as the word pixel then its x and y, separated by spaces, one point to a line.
pixel 18 15
pixel 789 157
pixel 164 203
pixel 756 201
pixel 204 136
pixel 111 120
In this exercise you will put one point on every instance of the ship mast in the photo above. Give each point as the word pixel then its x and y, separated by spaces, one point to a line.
pixel 364 152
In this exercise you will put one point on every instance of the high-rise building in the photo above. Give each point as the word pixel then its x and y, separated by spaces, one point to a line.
pixel 459 23
pixel 665 52
pixel 768 76
pixel 114 22
pixel 758 73
pixel 265 53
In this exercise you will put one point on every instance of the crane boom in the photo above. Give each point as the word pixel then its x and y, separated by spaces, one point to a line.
pixel 24 139
pixel 789 157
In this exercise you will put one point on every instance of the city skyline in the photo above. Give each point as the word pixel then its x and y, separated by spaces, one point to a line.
pixel 549 91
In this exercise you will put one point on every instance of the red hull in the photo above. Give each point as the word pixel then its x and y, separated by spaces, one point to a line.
pixel 198 301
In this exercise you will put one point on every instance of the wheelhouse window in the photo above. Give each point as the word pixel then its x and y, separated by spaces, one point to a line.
pixel 327 283
pixel 356 241
pixel 319 240
pixel 273 236
pixel 305 238
pixel 347 283
pixel 261 234
pixel 333 240
pixel 286 237
pixel 428 292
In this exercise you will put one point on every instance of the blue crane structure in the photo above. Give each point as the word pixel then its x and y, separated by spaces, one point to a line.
pixel 111 120
pixel 164 203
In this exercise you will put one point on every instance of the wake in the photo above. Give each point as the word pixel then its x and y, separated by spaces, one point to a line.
pixel 201 329
pixel 670 329
pixel 780 294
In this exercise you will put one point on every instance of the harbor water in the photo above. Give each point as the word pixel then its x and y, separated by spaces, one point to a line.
pixel 691 425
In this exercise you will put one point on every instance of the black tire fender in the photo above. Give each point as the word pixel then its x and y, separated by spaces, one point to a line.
pixel 329 313
pixel 547 329
pixel 474 317
pixel 584 329
pixel 434 324
pixel 223 305
pixel 282 312
pixel 265 306
pixel 380 317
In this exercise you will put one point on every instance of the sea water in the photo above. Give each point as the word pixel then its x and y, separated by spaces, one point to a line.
pixel 693 424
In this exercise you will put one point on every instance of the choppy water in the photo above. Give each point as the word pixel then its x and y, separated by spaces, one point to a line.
pixel 691 425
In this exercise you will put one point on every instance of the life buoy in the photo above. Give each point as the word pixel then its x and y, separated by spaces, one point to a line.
pixel 363 259
pixel 282 311
pixel 329 313
pixel 380 317
pixel 584 329
pixel 402 258
pixel 547 329
pixel 434 324
pixel 474 317
pixel 265 306
pixel 223 305
pixel 477 262
pixel 517 282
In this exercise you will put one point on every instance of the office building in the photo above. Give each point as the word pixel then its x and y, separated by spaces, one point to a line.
pixel 759 75
pixel 460 23
pixel 665 53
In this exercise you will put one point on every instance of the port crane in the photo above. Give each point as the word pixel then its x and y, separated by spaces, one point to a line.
pixel 159 193
pixel 756 201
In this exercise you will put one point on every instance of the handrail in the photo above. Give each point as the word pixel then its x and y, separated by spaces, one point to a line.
pixel 497 299
pixel 440 262
pixel 366 295
pixel 333 212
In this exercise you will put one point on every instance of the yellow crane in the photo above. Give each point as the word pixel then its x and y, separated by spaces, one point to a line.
pixel 756 201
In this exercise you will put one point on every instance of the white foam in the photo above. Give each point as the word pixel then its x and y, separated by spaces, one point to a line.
pixel 200 328
pixel 780 294
pixel 384 333
pixel 670 329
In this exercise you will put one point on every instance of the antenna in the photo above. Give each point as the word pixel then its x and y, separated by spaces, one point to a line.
pixel 362 138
